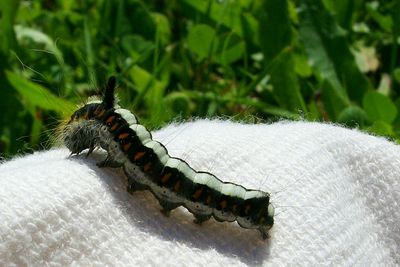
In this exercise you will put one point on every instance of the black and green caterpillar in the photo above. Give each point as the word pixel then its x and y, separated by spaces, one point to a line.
pixel 148 166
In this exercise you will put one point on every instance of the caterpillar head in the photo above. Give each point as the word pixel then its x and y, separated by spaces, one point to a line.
pixel 79 136
pixel 262 217
pixel 81 132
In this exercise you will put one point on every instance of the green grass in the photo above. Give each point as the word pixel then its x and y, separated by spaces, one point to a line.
pixel 320 60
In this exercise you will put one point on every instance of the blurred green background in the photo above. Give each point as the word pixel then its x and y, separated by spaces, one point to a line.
pixel 319 60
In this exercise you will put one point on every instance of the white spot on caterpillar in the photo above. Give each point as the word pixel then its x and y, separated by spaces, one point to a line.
pixel 142 133
pixel 127 116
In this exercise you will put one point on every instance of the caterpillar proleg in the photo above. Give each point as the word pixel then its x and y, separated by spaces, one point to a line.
pixel 148 166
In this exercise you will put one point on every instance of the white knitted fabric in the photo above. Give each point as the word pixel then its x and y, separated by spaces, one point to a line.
pixel 336 193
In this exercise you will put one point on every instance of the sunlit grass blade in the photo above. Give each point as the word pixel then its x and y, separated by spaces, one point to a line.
pixel 39 96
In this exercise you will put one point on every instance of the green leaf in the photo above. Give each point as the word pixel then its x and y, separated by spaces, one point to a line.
pixel 275 39
pixel 142 79
pixel 231 16
pixel 344 10
pixel 313 113
pixel 231 49
pixel 275 33
pixel 163 28
pixel 140 19
pixel 301 65
pixel 396 122
pixel 202 40
pixel 285 84
pixel 384 21
pixel 151 92
pixel 353 116
pixel 118 18
pixel 381 128
pixel 8 10
pixel 10 124
pixel 179 103
pixel 225 13
pixel 89 49
pixel 379 107
pixel 250 30
pixel 26 33
pixel 38 96
pixel 137 47
pixel 396 75
pixel 396 35
pixel 331 101
pixel 328 53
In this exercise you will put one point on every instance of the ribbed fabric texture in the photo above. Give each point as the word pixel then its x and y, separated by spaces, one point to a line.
pixel 336 193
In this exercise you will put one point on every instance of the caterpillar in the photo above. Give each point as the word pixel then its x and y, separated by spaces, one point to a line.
pixel 148 166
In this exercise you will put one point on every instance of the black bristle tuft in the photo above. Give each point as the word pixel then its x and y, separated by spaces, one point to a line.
pixel 109 97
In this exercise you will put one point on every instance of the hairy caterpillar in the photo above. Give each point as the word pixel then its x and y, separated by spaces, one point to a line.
pixel 148 166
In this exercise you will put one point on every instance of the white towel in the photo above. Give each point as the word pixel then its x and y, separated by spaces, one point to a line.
pixel 336 193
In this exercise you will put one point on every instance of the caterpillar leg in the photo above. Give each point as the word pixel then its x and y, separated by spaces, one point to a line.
pixel 167 207
pixel 134 186
pixel 264 232
pixel 199 219
pixel 75 153
pixel 91 148
pixel 108 162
